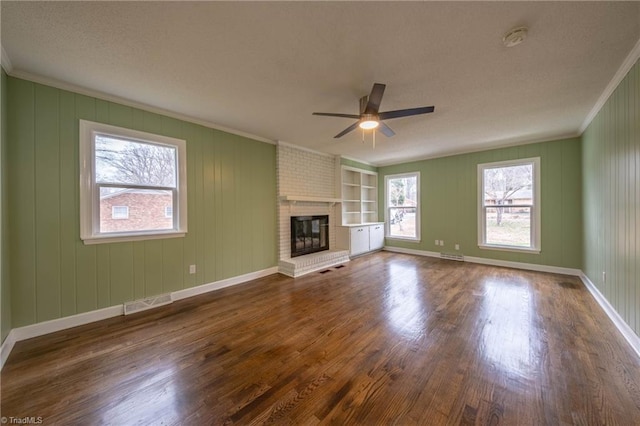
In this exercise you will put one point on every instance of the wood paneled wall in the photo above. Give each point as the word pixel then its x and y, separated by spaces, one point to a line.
pixel 611 186
pixel 231 208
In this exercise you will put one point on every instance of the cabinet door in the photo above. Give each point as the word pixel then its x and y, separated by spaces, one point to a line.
pixel 359 240
pixel 376 237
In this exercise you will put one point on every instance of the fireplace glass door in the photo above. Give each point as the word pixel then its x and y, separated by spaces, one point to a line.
pixel 309 234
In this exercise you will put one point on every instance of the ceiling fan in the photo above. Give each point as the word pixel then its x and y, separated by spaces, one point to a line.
pixel 371 118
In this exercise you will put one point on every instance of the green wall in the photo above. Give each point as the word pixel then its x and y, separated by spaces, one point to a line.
pixel 449 206
pixel 5 290
pixel 611 205
pixel 231 207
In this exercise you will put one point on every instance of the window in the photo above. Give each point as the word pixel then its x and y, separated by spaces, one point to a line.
pixel 509 205
pixel 119 212
pixel 127 174
pixel 402 206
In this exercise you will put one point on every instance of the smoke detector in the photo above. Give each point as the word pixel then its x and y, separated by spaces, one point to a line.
pixel 515 36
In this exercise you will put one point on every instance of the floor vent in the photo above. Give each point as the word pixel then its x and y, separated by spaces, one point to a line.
pixel 339 266
pixel 148 303
pixel 452 256
pixel 325 271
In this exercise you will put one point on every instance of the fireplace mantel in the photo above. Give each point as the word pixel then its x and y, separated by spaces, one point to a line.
pixel 295 198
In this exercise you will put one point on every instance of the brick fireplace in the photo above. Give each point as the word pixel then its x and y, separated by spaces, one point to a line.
pixel 306 187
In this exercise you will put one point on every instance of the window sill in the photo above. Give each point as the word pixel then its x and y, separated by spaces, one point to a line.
pixel 131 237
pixel 510 248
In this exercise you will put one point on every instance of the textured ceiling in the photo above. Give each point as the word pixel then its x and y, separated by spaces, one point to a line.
pixel 263 68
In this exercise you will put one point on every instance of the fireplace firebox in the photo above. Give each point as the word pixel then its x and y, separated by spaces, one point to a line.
pixel 309 234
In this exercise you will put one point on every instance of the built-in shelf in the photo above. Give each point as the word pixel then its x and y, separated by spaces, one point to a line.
pixel 359 191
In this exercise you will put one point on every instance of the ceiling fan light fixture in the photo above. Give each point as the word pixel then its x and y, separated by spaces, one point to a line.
pixel 369 122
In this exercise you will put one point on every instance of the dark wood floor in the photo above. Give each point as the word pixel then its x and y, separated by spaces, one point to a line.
pixel 389 338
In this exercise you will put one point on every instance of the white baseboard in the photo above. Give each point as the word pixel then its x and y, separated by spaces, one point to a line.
pixel 412 251
pixel 525 266
pixel 494 262
pixel 46 327
pixel 624 329
pixel 216 285
pixel 6 347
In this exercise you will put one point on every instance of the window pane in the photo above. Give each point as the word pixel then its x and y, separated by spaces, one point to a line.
pixel 403 192
pixel 508 185
pixel 145 209
pixel 138 163
pixel 119 212
pixel 402 222
pixel 508 226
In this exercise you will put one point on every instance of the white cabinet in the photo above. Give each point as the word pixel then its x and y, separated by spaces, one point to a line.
pixel 361 238
pixel 376 236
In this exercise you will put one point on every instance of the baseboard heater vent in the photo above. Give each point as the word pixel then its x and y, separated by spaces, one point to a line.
pixel 148 303
pixel 452 256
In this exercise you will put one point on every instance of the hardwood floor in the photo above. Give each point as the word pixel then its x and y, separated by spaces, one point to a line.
pixel 387 339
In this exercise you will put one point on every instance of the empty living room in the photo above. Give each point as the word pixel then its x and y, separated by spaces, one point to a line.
pixel 308 213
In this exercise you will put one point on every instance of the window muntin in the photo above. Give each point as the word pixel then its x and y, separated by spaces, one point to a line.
pixel 509 205
pixel 143 171
pixel 402 206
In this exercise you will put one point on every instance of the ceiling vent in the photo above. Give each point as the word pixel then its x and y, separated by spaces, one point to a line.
pixel 515 36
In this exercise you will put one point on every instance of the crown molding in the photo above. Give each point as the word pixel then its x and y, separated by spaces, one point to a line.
pixel 627 64
pixel 5 61
pixel 130 103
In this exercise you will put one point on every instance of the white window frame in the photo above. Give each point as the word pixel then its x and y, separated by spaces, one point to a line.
pixel 90 190
pixel 535 207
pixel 387 207
pixel 117 216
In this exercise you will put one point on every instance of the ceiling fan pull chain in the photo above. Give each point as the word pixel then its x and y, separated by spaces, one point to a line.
pixel 362 135
pixel 374 138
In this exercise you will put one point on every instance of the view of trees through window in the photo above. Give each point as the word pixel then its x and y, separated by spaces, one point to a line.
pixel 401 204
pixel 508 204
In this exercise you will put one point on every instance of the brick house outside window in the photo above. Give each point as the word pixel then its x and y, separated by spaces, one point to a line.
pixel 147 210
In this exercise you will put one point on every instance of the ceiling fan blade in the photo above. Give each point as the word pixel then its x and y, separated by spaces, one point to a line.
pixel 385 130
pixel 375 98
pixel 331 114
pixel 387 115
pixel 363 103
pixel 347 130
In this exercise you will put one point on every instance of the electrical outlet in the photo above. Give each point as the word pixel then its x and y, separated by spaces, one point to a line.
pixel 604 277
pixel 442 243
pixel 192 269
pixel 457 246
pixel 437 242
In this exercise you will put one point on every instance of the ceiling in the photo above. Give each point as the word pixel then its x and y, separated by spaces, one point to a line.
pixel 262 68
